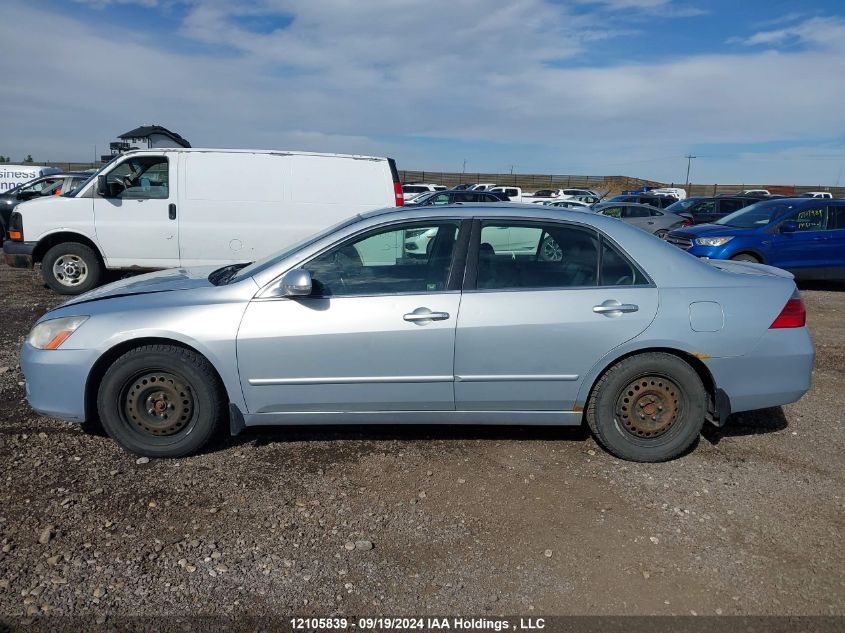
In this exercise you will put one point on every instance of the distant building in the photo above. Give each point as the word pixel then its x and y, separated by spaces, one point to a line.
pixel 147 136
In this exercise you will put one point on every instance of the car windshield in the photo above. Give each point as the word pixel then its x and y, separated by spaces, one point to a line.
pixel 682 205
pixel 263 264
pixel 755 215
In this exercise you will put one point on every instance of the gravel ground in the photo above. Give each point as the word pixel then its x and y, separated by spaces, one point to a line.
pixel 397 521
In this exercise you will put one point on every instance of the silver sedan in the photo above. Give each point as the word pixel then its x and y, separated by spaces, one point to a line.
pixel 644 216
pixel 497 314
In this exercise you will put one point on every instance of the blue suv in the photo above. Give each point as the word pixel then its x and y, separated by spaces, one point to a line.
pixel 804 236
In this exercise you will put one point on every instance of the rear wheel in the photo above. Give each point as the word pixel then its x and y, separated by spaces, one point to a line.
pixel 161 401
pixel 71 268
pixel 745 257
pixel 648 408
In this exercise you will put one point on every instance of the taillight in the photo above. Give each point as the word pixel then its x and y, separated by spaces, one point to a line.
pixel 687 223
pixel 397 183
pixel 793 314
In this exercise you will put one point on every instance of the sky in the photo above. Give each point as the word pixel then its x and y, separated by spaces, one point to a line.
pixel 753 88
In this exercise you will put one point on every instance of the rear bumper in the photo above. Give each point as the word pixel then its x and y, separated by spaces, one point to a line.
pixel 55 381
pixel 776 372
pixel 18 254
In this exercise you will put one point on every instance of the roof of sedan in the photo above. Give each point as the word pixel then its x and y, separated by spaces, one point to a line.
pixel 491 210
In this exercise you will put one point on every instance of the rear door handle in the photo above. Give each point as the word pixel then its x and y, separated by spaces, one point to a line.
pixel 613 308
pixel 171 211
pixel 424 315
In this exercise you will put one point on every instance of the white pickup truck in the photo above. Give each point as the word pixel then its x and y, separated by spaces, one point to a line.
pixel 515 194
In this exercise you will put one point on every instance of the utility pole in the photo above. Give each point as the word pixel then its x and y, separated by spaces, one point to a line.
pixel 689 158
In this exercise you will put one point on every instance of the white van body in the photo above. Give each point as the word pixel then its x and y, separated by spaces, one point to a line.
pixel 209 206
pixel 514 194
pixel 13 175
pixel 675 192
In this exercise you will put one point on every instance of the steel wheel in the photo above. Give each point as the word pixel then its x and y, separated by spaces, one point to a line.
pixel 70 270
pixel 648 406
pixel 157 403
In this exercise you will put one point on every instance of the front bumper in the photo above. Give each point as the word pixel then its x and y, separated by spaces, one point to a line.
pixel 55 380
pixel 18 254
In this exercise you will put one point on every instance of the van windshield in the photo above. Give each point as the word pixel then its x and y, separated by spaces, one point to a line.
pixel 271 260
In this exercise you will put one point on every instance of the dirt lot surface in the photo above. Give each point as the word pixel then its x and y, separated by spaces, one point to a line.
pixel 397 521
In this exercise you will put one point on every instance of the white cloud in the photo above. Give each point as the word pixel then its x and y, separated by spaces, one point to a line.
pixel 397 77
pixel 828 32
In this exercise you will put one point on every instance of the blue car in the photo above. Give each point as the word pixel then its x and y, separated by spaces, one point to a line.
pixel 801 235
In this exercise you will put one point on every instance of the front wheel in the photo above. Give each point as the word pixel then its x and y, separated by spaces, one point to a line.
pixel 648 408
pixel 745 257
pixel 71 268
pixel 161 401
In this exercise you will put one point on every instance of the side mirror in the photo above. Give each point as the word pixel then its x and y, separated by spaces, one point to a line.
pixel 789 227
pixel 296 283
pixel 28 195
pixel 102 187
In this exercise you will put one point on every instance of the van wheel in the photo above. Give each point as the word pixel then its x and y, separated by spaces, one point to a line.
pixel 161 401
pixel 745 257
pixel 648 408
pixel 71 268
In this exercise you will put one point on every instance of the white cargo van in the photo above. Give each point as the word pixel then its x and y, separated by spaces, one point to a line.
pixel 13 175
pixel 161 208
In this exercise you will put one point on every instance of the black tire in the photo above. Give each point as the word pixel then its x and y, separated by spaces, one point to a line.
pixel 68 257
pixel 647 408
pixel 161 401
pixel 745 257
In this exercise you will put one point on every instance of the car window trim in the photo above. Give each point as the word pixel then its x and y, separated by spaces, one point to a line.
pixel 471 261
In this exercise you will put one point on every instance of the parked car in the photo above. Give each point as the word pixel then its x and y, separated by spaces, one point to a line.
pixel 413 189
pixel 570 203
pixel 757 193
pixel 550 195
pixel 482 186
pixel 801 235
pixel 165 361
pixel 705 210
pixel 661 202
pixel 166 207
pixel 642 216
pixel 457 196
pixel 675 192
pixel 52 185
pixel 513 194
pixel 817 194
pixel 12 176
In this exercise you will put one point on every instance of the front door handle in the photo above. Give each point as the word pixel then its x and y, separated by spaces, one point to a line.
pixel 424 315
pixel 613 308
pixel 171 211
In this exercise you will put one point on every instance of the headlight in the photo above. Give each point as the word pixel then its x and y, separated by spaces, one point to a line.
pixel 713 241
pixel 50 334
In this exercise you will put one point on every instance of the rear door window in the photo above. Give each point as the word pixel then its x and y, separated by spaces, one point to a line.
pixel 836 218
pixel 814 219
pixel 635 212
pixel 729 206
